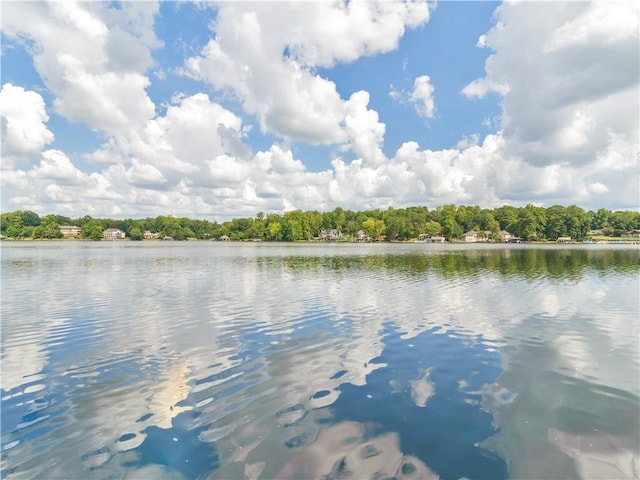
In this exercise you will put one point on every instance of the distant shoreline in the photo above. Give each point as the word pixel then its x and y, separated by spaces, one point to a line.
pixel 616 241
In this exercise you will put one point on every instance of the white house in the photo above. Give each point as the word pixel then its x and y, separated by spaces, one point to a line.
pixel 113 233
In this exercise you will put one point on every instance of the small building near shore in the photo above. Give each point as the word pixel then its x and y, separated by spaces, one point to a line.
pixel 470 236
pixel 113 234
pixel 504 236
pixel 436 239
pixel 331 235
pixel 564 240
pixel 70 230
pixel 361 237
pixel 426 238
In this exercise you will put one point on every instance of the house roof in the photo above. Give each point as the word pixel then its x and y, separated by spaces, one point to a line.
pixel 470 233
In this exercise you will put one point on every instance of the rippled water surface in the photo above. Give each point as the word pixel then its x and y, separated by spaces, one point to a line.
pixel 208 360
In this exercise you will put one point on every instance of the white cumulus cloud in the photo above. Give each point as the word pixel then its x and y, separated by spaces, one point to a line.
pixel 268 64
pixel 422 96
pixel 92 57
pixel 568 73
pixel 24 130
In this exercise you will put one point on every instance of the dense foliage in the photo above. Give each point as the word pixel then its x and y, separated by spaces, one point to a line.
pixel 529 223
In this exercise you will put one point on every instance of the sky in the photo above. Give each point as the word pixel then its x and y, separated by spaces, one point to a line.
pixel 223 110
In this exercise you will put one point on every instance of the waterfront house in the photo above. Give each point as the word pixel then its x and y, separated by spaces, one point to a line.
pixel 564 240
pixel 470 236
pixel 332 234
pixel 113 234
pixel 224 238
pixel 70 230
pixel 631 233
pixel 426 238
pixel 361 237
pixel 504 236
pixel 436 239
pixel 148 235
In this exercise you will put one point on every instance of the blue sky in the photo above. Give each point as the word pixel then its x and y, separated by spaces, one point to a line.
pixel 130 109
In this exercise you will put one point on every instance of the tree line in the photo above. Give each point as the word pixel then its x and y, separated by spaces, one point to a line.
pixel 529 223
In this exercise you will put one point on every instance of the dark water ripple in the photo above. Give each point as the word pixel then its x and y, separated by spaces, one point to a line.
pixel 308 361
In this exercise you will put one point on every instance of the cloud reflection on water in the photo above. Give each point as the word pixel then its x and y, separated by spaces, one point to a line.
pixel 244 346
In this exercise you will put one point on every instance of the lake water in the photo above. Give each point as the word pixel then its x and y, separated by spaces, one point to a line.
pixel 212 360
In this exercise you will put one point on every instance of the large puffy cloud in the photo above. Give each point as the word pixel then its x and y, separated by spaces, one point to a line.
pixel 24 129
pixel 268 64
pixel 568 73
pixel 176 147
pixel 92 57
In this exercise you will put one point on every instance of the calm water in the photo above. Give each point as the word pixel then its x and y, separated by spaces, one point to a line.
pixel 208 360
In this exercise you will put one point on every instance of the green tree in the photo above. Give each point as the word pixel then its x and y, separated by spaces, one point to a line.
pixel 492 225
pixel 48 228
pixel 339 218
pixel 432 228
pixel 30 219
pixel 446 216
pixel 555 226
pixel 531 222
pixel 136 234
pixel 16 228
pixel 92 230
pixel 275 231
pixel 292 230
pixel 373 227
pixel 601 219
pixel 507 216
pixel 576 222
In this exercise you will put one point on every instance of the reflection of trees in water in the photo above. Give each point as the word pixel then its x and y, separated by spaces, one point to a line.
pixel 530 263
